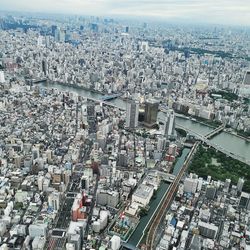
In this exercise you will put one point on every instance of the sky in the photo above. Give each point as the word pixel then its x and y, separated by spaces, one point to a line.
pixel 204 11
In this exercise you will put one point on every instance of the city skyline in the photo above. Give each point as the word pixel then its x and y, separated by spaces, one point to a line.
pixel 192 11
pixel 122 134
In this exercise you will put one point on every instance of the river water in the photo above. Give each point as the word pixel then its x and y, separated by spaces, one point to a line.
pixel 178 165
pixel 232 143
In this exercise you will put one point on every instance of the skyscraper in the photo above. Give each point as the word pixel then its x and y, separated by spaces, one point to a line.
pixel 53 30
pixel 246 80
pixel 91 117
pixel 2 78
pixel 44 67
pixel 132 113
pixel 240 184
pixel 144 46
pixel 59 35
pixel 169 126
pixel 151 111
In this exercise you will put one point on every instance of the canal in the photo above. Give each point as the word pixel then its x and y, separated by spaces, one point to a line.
pixel 138 234
pixel 136 237
pixel 232 143
pixel 180 160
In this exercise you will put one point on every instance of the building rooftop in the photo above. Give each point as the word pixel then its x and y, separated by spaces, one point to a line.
pixel 143 191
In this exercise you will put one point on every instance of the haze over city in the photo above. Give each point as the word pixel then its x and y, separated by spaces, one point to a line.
pixel 124 125
pixel 232 12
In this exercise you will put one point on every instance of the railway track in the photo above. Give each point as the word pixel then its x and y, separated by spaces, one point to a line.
pixel 167 200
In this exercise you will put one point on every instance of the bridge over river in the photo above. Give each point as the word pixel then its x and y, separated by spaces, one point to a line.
pixel 232 145
pixel 204 139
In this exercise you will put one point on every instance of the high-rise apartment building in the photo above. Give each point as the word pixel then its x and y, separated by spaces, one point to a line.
pixel 246 80
pixel 240 184
pixel 132 113
pixel 151 112
pixel 169 126
pixel 2 78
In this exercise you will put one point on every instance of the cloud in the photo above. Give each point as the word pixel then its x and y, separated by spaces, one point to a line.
pixel 211 11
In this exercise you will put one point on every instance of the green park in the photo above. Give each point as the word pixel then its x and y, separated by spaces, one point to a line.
pixel 208 161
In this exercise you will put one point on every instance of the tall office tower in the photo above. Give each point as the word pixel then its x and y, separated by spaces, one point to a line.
pixel 53 30
pixel 161 143
pixel 91 117
pixel 47 41
pixel 62 36
pixel 169 126
pixel 151 111
pixel 67 35
pixel 227 184
pixel 54 200
pixel 2 78
pixel 122 159
pixel 240 184
pixel 40 41
pixel 144 46
pixel 132 113
pixel 246 80
pixel 57 34
pixel 44 67
pixel 126 29
pixel 85 183
pixel 94 27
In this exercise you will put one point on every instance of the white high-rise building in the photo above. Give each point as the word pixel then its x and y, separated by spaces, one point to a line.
pixel 62 36
pixel 40 41
pixel 190 185
pixel 240 184
pixel 54 200
pixel 115 242
pixel 246 80
pixel 2 78
pixel 144 46
pixel 169 126
pixel 161 143
pixel 132 113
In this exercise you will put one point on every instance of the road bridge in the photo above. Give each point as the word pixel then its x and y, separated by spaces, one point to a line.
pixel 101 101
pixel 110 97
pixel 215 131
pixel 214 145
pixel 37 80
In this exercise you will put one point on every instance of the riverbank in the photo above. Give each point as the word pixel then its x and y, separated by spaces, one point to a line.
pixel 76 86
pixel 232 143
pixel 205 122
pixel 238 135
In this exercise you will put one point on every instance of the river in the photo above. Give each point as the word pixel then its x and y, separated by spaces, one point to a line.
pixel 232 143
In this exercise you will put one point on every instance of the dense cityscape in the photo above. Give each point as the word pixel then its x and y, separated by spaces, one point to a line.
pixel 121 134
